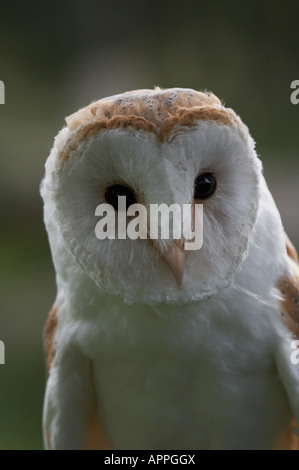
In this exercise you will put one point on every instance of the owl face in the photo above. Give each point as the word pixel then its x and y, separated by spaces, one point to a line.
pixel 195 154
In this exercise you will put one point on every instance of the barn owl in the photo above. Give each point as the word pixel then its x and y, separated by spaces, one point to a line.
pixel 151 346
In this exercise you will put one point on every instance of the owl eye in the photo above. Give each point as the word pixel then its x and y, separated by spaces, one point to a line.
pixel 204 186
pixel 112 194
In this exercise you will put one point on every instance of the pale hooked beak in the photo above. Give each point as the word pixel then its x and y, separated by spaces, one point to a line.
pixel 175 258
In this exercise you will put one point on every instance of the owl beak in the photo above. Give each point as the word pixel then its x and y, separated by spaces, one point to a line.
pixel 175 258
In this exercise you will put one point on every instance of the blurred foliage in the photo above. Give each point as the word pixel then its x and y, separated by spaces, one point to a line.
pixel 58 56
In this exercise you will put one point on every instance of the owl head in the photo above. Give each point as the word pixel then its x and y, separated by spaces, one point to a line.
pixel 173 146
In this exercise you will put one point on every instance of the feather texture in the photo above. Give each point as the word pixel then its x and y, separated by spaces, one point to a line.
pixel 140 362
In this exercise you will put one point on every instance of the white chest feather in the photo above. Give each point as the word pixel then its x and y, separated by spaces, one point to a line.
pixel 179 378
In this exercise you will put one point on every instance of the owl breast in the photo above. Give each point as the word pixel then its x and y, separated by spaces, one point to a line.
pixel 163 382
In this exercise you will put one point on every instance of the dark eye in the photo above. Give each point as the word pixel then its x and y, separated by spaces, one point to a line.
pixel 112 194
pixel 204 186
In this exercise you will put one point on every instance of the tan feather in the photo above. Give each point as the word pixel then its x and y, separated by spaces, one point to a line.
pixel 289 288
pixel 291 250
pixel 288 440
pixel 49 336
pixel 157 111
pixel 154 105
pixel 96 439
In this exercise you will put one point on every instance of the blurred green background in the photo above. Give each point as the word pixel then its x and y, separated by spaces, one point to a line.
pixel 57 57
